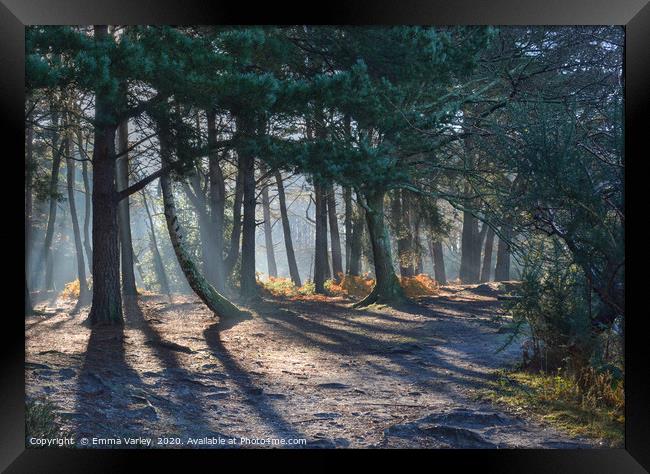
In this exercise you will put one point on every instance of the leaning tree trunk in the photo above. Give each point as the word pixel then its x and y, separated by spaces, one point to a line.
pixel 124 217
pixel 206 292
pixel 268 236
pixel 487 255
pixel 320 256
pixel 288 243
pixel 387 288
pixel 335 237
pixel 502 268
pixel 84 292
pixel 107 298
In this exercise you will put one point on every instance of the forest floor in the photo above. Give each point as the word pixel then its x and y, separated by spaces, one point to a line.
pixel 313 370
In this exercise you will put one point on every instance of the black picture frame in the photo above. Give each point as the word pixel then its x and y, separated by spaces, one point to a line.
pixel 633 14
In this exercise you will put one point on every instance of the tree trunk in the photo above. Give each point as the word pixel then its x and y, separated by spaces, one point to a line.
pixel 335 237
pixel 235 236
pixel 84 292
pixel 438 258
pixel 206 292
pixel 467 273
pixel 387 288
pixel 124 216
pixel 217 200
pixel 46 255
pixel 347 198
pixel 107 299
pixel 418 263
pixel 487 255
pixel 248 282
pixel 402 230
pixel 288 243
pixel 502 268
pixel 320 257
pixel 87 209
pixel 87 203
pixel 159 268
pixel 268 237
pixel 356 240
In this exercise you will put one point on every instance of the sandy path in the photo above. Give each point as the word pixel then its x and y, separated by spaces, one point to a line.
pixel 294 370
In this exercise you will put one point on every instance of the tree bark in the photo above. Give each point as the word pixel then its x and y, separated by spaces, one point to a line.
pixel 486 269
pixel 387 289
pixel 286 228
pixel 335 237
pixel 248 282
pixel 84 292
pixel 502 268
pixel 107 298
pixel 402 230
pixel 356 240
pixel 268 236
pixel 320 257
pixel 217 200
pixel 438 258
pixel 87 203
pixel 124 216
pixel 235 236
pixel 206 292
pixel 347 198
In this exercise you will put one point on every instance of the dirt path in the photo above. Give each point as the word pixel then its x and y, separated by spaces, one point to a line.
pixel 295 370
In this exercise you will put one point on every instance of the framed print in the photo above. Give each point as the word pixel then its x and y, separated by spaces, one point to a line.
pixel 353 230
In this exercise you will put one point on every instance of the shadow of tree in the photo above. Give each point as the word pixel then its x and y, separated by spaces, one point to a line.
pixel 255 398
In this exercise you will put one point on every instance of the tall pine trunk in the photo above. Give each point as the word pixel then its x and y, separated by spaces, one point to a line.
pixel 124 214
pixel 320 257
pixel 486 269
pixel 356 238
pixel 402 227
pixel 347 198
pixel 248 282
pixel 84 292
pixel 387 288
pixel 286 228
pixel 107 298
pixel 87 209
pixel 268 236
pixel 502 268
pixel 335 237
pixel 46 255
pixel 235 235
pixel 87 197
pixel 438 258
pixel 217 200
